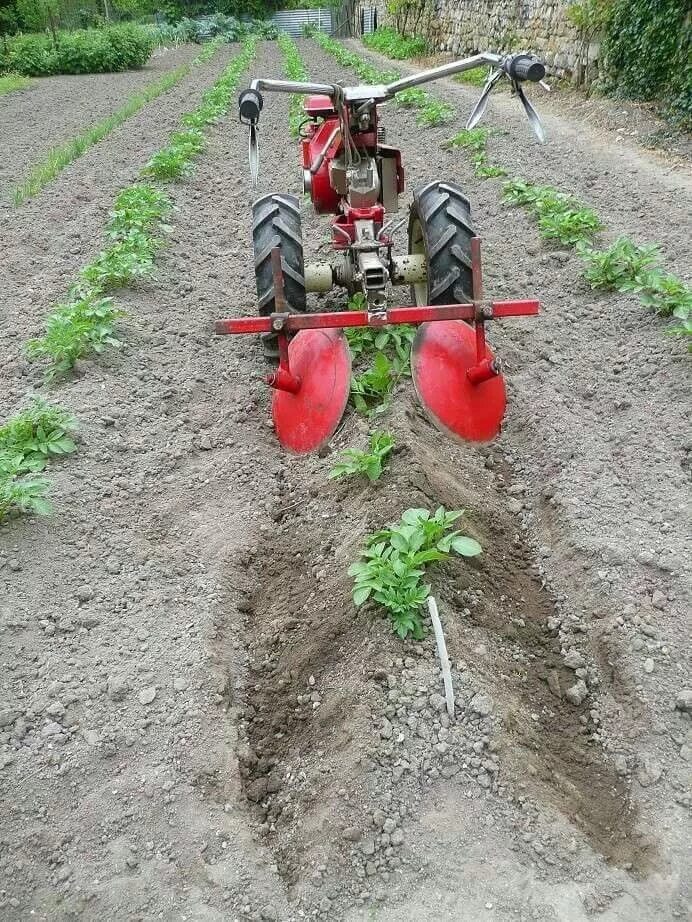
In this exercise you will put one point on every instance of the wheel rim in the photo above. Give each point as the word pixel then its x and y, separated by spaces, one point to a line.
pixel 417 248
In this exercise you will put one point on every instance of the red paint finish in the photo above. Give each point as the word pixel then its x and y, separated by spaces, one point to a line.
pixel 321 360
pixel 442 355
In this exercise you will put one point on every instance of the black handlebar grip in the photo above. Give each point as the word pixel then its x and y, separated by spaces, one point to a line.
pixel 525 67
pixel 250 104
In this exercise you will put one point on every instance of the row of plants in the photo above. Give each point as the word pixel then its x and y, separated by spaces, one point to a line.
pixel 62 155
pixel 562 218
pixel 87 51
pixel 430 112
pixel 86 322
pixel 294 69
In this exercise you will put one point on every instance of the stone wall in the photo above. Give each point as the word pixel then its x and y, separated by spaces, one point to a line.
pixel 467 26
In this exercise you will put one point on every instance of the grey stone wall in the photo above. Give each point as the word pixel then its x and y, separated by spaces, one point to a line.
pixel 467 26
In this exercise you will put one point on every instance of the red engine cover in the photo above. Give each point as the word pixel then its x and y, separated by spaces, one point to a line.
pixel 324 198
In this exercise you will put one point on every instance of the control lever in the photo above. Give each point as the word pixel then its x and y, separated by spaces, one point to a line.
pixel 250 103
pixel 517 68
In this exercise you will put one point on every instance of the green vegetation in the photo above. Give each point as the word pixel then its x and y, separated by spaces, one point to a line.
pixel 85 323
pixel 618 265
pixel 88 51
pixel 626 266
pixel 647 48
pixel 475 77
pixel 28 441
pixel 295 70
pixel 368 463
pixel 475 140
pixel 59 157
pixel 12 82
pixel 434 113
pixel 560 216
pixel 392 564
pixel 370 390
pixel 388 41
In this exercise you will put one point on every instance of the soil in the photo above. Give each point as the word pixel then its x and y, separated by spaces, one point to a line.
pixel 196 723
pixel 51 110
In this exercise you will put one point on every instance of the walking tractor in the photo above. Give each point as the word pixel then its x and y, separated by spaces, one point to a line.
pixel 349 171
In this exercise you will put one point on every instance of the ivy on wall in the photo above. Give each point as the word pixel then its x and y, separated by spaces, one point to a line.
pixel 647 48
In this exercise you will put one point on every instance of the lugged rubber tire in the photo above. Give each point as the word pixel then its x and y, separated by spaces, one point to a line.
pixel 276 223
pixel 440 227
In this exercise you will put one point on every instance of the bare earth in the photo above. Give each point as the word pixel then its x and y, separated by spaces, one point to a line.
pixel 196 724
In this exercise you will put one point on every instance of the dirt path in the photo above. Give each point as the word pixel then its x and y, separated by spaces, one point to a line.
pixel 196 724
pixel 53 109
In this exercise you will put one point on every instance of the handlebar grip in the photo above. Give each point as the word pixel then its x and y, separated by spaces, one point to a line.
pixel 250 103
pixel 524 67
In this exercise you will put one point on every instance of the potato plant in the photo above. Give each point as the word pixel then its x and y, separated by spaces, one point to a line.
pixel 475 140
pixel 370 463
pixel 393 562
pixel 295 70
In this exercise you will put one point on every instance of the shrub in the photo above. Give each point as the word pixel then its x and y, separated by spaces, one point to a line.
pixel 86 51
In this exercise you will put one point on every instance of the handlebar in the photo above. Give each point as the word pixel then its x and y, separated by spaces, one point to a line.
pixel 518 67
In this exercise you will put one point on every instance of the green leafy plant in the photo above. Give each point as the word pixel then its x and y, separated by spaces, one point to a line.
pixel 30 438
pixel 73 330
pixel 141 209
pixel 569 226
pixel 412 98
pixel 434 113
pixel 560 215
pixel 26 494
pixel 392 564
pixel 390 43
pixel 122 263
pixel 370 389
pixel 368 463
pixel 475 77
pixel 617 265
pixel 475 140
pixel 664 293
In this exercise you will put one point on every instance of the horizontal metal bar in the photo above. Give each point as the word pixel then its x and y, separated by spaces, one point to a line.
pixel 347 319
pixel 293 86
pixel 444 70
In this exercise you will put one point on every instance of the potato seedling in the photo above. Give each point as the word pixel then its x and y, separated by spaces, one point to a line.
pixel 75 329
pixel 28 441
pixel 619 264
pixel 369 463
pixel 30 438
pixel 371 389
pixel 392 564
pixel 560 216
pixel 434 113
pixel 475 140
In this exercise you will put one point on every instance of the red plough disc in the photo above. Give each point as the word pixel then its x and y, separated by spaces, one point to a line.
pixel 306 420
pixel 442 354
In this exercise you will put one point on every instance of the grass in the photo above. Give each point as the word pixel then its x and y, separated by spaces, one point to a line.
pixel 28 441
pixel 11 82
pixel 392 564
pixel 61 156
pixel 294 69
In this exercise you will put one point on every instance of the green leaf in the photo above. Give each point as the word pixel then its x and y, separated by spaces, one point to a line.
pixel 361 595
pixel 467 547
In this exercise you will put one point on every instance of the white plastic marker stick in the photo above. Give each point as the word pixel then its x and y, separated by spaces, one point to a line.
pixel 442 653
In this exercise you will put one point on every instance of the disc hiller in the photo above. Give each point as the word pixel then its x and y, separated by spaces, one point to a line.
pixel 457 379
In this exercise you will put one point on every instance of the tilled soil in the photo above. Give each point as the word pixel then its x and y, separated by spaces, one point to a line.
pixel 52 110
pixel 196 722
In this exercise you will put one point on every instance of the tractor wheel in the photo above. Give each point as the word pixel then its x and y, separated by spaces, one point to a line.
pixel 276 223
pixel 440 228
